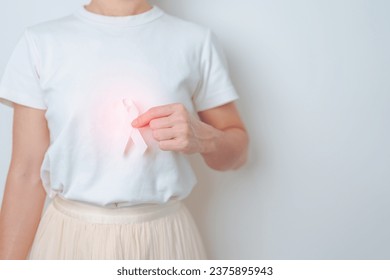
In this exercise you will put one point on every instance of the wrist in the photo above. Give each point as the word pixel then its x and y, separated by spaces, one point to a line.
pixel 207 137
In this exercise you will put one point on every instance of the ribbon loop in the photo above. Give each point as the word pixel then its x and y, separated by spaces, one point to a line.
pixel 135 136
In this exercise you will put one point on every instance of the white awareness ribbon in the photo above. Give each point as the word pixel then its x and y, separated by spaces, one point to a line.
pixel 134 136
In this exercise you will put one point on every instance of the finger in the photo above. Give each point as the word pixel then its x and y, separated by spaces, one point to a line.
pixel 153 113
pixel 169 145
pixel 176 144
pixel 164 122
pixel 164 134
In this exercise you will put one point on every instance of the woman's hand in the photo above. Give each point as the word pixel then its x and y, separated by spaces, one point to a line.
pixel 174 128
pixel 219 135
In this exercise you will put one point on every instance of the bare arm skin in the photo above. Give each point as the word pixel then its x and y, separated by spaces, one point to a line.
pixel 24 195
pixel 227 145
pixel 219 136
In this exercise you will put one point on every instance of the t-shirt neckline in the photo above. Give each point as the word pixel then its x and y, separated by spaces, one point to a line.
pixel 131 20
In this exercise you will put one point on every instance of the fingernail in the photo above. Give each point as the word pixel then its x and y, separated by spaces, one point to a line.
pixel 134 122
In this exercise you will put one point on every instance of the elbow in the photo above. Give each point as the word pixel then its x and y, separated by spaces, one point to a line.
pixel 241 162
pixel 218 167
pixel 237 160
pixel 231 153
pixel 227 166
pixel 242 157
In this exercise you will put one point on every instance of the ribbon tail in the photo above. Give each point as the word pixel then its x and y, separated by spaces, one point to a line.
pixel 139 142
pixel 129 143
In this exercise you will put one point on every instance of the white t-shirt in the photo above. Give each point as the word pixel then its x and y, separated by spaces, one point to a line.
pixel 83 69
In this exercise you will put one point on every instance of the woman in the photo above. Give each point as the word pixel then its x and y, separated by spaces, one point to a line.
pixel 107 103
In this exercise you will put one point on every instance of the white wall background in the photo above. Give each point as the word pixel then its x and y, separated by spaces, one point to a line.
pixel 314 80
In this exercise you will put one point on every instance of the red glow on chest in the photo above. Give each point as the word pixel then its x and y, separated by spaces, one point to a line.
pixel 111 120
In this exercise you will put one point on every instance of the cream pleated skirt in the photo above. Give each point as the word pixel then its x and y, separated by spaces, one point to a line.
pixel 74 231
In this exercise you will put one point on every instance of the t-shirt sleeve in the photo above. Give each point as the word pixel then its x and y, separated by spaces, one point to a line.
pixel 20 81
pixel 215 87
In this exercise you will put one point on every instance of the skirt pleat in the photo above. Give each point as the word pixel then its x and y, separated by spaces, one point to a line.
pixel 74 230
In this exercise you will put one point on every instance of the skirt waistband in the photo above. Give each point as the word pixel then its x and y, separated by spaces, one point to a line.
pixel 122 215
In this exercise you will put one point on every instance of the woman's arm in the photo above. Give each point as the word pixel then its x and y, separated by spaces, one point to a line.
pixel 219 136
pixel 226 146
pixel 24 195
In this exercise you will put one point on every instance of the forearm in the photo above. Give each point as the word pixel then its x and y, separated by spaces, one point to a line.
pixel 20 215
pixel 223 149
